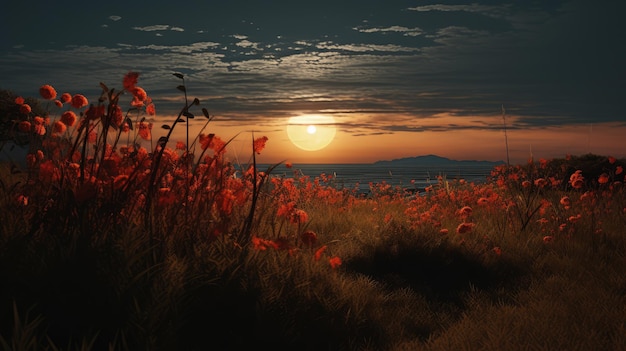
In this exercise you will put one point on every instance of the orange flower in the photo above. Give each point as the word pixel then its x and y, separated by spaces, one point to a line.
pixel 25 109
pixel 612 160
pixel 497 250
pixel 259 144
pixel 619 170
pixel 334 262
pixel 547 238
pixel 58 103
pixel 79 101
pixel 526 184
pixel 603 179
pixel 47 92
pixel 289 164
pixel 69 118
pixel 464 228
pixel 443 231
pixel 19 100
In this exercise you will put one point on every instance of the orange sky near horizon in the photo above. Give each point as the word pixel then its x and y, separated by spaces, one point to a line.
pixel 459 144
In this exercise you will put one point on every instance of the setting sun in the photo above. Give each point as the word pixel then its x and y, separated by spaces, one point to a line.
pixel 311 132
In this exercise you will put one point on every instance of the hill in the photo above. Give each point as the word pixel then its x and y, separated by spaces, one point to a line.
pixel 430 160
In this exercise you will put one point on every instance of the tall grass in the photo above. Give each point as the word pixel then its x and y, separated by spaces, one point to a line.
pixel 108 245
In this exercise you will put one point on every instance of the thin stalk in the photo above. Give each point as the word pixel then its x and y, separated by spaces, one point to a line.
pixel 506 139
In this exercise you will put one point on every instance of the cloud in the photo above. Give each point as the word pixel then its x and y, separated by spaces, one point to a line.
pixel 115 18
pixel 487 10
pixel 157 27
pixel 365 47
pixel 411 32
pixel 177 29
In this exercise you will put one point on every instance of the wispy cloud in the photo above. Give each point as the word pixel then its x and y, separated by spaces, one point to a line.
pixel 411 32
pixel 487 10
pixel 153 28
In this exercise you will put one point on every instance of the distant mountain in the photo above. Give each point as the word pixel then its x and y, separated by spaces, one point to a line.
pixel 434 160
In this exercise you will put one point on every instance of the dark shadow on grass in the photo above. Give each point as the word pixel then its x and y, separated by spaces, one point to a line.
pixel 443 274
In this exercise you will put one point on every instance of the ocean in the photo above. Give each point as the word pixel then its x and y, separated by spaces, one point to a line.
pixel 410 177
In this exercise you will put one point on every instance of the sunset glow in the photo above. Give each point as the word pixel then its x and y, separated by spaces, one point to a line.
pixel 311 132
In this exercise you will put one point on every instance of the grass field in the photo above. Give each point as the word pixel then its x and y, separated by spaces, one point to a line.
pixel 106 245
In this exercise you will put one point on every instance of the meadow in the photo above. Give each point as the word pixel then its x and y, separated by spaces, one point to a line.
pixel 108 245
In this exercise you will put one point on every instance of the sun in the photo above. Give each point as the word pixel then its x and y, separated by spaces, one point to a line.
pixel 311 132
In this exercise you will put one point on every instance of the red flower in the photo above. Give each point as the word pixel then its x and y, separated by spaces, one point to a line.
pixel 47 92
pixel 612 160
pixel 465 211
pixel 59 127
pixel 19 100
pixel 69 118
pixel 259 144
pixel 334 262
pixel 94 112
pixel 145 130
pixel 464 228
pixel 603 179
pixel 150 110
pixel 79 101
pixel 117 117
pixel 24 126
pixel 25 109
pixel 566 202
pixel 577 180
pixel 299 216
pixel 139 93
pixel 130 80
pixel 319 252
pixel 48 171
pixel 66 97
pixel 308 238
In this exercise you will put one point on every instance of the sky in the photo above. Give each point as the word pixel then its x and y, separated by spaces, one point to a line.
pixel 467 80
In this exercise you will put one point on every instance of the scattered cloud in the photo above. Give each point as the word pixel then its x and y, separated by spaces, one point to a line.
pixel 411 32
pixel 487 10
pixel 157 27
pixel 115 18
